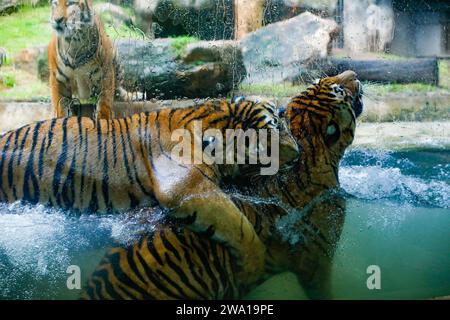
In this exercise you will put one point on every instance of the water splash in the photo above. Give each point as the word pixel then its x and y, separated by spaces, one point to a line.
pixel 374 175
pixel 38 243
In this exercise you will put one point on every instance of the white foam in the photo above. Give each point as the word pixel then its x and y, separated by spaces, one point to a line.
pixel 376 182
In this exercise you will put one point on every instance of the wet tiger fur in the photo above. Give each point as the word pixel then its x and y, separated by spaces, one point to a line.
pixel 175 263
pixel 119 164
pixel 82 60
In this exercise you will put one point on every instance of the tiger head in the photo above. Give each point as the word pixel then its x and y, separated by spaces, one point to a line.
pixel 70 16
pixel 323 119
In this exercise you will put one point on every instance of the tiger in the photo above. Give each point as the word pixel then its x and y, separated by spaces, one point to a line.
pixel 82 61
pixel 109 166
pixel 172 262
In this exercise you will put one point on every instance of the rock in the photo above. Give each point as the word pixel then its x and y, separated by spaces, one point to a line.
pixel 7 5
pixel 160 70
pixel 284 50
pixel 28 59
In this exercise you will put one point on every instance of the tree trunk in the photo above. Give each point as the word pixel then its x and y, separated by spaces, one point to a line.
pixel 248 16
pixel 387 71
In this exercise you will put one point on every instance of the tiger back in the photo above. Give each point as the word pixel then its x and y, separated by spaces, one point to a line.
pixel 111 166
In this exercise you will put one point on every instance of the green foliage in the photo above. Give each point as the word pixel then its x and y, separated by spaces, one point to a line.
pixel 27 27
pixel 22 88
pixel 8 80
pixel 179 44
pixel 444 74
pixel 122 31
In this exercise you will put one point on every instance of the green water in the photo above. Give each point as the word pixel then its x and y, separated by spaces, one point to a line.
pixel 398 218
pixel 412 251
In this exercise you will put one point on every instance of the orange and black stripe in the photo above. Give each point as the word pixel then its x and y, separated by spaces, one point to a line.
pixel 171 268
pixel 77 163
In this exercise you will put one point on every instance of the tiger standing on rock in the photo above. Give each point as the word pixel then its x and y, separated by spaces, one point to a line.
pixel 81 60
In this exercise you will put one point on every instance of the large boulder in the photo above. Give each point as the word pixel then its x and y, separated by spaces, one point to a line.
pixel 165 69
pixel 286 50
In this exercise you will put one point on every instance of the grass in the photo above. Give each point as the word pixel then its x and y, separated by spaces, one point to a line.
pixel 122 31
pixel 385 89
pixel 37 91
pixel 27 27
pixel 26 86
pixel 272 90
pixel 8 79
pixel 179 44
pixel 444 73
pixel 371 89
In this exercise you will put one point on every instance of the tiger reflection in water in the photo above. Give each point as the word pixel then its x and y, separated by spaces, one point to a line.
pixel 174 263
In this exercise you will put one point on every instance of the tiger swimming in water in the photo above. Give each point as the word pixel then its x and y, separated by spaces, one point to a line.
pixel 175 263
pixel 120 164
pixel 82 60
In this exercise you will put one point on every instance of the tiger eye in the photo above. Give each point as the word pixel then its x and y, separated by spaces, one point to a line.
pixel 331 130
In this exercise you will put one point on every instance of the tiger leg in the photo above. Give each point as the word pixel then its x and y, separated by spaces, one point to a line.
pixel 314 266
pixel 206 208
pixel 216 214
pixel 166 264
pixel 105 99
pixel 314 275
pixel 61 96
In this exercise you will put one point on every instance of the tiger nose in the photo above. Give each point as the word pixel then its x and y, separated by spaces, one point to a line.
pixel 59 21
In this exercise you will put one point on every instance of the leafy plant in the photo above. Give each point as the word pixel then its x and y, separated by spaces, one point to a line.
pixel 179 44
pixel 8 80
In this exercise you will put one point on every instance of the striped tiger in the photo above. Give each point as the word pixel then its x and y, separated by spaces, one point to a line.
pixel 82 60
pixel 120 164
pixel 175 263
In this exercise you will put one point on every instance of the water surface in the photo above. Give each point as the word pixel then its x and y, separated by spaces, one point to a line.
pixel 398 218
